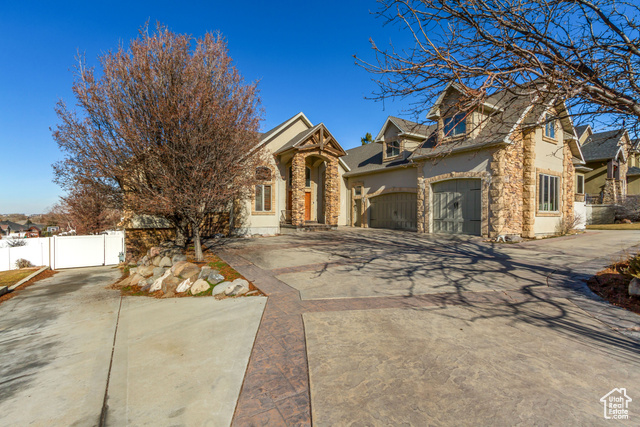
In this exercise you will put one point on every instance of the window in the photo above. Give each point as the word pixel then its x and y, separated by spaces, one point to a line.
pixel 263 198
pixel 393 148
pixel 549 126
pixel 307 177
pixel 580 184
pixel 454 126
pixel 548 189
pixel 290 176
pixel 358 190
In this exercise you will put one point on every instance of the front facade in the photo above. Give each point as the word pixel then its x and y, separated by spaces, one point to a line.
pixel 507 168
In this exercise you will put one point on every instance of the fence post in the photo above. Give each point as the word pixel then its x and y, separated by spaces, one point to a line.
pixel 104 249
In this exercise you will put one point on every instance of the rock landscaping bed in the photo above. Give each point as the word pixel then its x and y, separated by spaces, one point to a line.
pixel 612 284
pixel 167 272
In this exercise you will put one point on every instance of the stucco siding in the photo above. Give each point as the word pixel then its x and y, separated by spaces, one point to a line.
pixel 281 139
pixel 464 162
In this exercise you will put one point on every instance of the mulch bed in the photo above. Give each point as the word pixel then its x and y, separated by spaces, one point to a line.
pixel 612 284
pixel 45 274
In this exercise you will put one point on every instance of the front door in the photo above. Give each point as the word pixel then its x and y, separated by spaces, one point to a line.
pixel 307 206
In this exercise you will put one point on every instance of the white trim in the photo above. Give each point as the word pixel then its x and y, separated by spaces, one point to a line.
pixel 285 125
pixel 380 137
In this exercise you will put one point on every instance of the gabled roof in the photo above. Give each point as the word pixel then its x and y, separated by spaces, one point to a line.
pixel 14 226
pixel 604 145
pixel 434 111
pixel 368 158
pixel 406 128
pixel 581 129
pixel 299 140
pixel 265 137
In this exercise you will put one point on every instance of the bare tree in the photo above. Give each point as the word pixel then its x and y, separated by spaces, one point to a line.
pixel 584 51
pixel 169 128
pixel 86 211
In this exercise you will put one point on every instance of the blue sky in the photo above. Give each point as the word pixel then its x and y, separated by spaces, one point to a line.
pixel 300 51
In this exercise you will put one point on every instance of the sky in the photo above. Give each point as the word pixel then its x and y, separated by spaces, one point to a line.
pixel 300 52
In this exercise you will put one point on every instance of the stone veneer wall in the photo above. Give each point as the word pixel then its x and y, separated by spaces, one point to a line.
pixel 331 187
pixel 529 184
pixel 506 190
pixel 568 178
pixel 610 192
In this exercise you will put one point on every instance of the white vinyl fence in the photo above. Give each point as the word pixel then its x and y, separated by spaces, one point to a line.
pixel 66 251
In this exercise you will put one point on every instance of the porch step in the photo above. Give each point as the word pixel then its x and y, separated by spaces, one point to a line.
pixel 308 226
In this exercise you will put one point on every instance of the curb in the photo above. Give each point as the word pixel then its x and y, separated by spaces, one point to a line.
pixel 26 279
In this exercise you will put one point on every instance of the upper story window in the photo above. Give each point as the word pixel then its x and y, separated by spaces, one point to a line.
pixel 393 149
pixel 358 190
pixel 455 125
pixel 549 126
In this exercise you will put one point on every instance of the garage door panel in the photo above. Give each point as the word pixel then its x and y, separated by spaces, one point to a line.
pixel 395 211
pixel 457 206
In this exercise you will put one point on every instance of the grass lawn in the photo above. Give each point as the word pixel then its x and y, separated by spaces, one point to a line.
pixel 11 277
pixel 634 226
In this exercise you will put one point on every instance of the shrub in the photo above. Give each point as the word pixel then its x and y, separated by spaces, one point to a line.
pixel 628 209
pixel 634 266
pixel 568 224
pixel 23 263
pixel 14 243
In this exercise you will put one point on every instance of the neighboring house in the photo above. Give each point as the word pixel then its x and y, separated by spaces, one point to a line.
pixel 53 229
pixel 13 229
pixel 505 168
pixel 607 156
pixel 33 231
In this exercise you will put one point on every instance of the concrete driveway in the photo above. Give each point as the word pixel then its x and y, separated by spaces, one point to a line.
pixel 407 329
pixel 75 353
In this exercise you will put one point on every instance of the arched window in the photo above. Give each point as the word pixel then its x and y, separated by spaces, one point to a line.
pixel 263 173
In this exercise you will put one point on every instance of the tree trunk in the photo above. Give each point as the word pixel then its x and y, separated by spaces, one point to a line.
pixel 181 233
pixel 197 244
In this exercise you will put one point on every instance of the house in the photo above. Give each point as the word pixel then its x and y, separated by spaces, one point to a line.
pixel 33 231
pixel 608 157
pixel 13 229
pixel 506 167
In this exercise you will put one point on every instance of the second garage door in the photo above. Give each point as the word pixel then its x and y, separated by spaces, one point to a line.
pixel 397 211
pixel 457 207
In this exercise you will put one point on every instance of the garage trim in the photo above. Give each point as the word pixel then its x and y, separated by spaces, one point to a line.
pixel 425 216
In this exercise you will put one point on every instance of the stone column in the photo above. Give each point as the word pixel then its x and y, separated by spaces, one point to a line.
pixel 422 219
pixel 332 193
pixel 610 193
pixel 568 177
pixel 529 185
pixel 297 190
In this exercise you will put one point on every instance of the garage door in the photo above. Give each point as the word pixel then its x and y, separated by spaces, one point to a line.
pixel 457 207
pixel 397 211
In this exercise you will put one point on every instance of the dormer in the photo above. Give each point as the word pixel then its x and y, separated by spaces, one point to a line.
pixel 399 138
pixel 454 121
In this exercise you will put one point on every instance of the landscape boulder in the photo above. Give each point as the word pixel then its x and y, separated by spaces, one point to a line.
pixel 185 285
pixel 158 271
pixel 220 288
pixel 204 272
pixel 178 258
pixel 154 252
pixel 170 284
pixel 156 260
pixel 135 279
pixel 144 261
pixel 634 286
pixel 237 287
pixel 157 284
pixel 215 277
pixel 177 267
pixel 146 271
pixel 199 286
pixel 165 262
pixel 189 270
